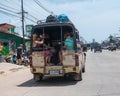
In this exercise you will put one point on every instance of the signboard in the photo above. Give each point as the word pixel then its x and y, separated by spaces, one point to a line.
pixel 29 28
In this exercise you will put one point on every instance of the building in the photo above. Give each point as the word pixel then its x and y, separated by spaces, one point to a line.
pixel 8 38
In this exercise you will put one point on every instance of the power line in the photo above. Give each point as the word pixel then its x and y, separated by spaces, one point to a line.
pixel 27 6
pixel 9 7
pixel 12 4
pixel 30 19
pixel 35 13
pixel 33 16
pixel 8 10
pixel 10 14
pixel 7 13
pixel 39 3
pixel 28 14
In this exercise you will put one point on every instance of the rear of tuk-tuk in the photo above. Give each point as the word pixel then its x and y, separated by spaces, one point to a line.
pixel 71 59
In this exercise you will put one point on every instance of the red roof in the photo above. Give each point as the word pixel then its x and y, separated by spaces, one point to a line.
pixel 6 26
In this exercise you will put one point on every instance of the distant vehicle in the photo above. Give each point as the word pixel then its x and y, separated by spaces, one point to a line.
pixel 112 48
pixel 97 49
pixel 105 47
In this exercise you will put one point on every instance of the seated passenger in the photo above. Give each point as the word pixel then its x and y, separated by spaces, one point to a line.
pixel 69 43
pixel 58 55
pixel 37 43
pixel 47 40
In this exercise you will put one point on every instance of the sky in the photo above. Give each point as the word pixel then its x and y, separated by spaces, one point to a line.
pixel 95 19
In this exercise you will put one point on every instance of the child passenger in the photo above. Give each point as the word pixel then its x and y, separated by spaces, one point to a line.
pixel 49 51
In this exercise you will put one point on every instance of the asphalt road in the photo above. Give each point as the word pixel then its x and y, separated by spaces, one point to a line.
pixel 102 78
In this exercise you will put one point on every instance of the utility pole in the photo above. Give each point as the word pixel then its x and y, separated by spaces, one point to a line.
pixel 23 32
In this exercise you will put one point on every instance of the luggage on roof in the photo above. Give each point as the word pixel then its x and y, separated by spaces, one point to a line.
pixel 60 18
pixel 51 18
pixel 63 18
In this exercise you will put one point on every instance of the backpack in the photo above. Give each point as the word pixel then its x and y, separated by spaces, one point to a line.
pixel 51 18
pixel 63 18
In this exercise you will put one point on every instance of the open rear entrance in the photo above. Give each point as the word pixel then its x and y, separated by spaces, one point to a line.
pixel 52 41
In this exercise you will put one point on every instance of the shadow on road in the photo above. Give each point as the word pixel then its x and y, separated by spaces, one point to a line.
pixel 49 82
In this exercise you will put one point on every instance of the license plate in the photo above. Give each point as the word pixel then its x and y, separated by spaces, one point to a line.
pixel 54 72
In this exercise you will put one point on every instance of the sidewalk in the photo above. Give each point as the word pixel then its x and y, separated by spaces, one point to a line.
pixel 8 67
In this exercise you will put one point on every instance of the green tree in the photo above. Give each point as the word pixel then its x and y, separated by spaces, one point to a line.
pixel 111 39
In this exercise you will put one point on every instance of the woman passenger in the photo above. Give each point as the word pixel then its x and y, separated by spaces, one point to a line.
pixel 37 43
pixel 69 43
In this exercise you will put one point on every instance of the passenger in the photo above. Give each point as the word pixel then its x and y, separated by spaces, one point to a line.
pixel 47 40
pixel 55 58
pixel 14 59
pixel 47 52
pixel 59 54
pixel 19 53
pixel 37 43
pixel 69 43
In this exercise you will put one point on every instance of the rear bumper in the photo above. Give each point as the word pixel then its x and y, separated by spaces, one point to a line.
pixel 53 71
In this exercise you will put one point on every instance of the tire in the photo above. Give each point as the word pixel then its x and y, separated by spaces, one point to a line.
pixel 78 76
pixel 37 77
pixel 83 69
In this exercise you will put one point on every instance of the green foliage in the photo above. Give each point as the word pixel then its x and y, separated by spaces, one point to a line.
pixel 5 50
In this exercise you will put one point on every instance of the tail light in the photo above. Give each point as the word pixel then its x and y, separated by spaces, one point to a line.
pixel 76 57
pixel 30 61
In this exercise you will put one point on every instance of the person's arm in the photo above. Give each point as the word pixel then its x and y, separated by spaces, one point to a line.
pixel 39 42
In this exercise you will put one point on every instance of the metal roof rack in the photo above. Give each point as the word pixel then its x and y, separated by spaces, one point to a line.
pixel 40 22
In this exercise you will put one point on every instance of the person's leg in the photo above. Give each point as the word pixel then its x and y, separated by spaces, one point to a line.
pixel 61 57
pixel 47 60
pixel 19 61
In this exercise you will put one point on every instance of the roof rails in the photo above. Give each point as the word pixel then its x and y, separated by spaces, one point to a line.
pixel 40 22
pixel 54 19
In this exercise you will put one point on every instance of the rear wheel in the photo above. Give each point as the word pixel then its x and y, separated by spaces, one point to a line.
pixel 83 69
pixel 37 77
pixel 78 76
